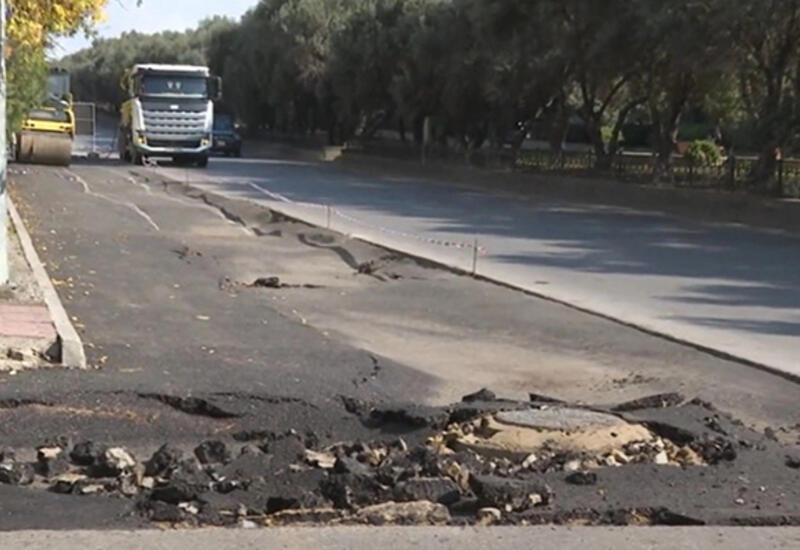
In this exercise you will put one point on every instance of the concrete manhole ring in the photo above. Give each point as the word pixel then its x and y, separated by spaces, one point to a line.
pixel 561 418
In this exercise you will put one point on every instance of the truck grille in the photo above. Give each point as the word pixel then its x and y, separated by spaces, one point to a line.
pixel 174 125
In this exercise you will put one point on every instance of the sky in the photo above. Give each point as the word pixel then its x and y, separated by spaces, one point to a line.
pixel 154 16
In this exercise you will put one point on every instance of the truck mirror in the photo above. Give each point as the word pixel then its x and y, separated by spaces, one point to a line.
pixel 215 88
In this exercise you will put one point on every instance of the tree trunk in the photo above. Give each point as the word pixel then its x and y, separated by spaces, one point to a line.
pixel 665 135
pixel 595 132
pixel 764 171
pixel 559 125
pixel 419 125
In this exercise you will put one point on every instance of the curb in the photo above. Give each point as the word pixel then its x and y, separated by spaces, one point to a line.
pixel 72 352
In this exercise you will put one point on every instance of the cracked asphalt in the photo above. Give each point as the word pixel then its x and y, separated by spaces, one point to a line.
pixel 185 345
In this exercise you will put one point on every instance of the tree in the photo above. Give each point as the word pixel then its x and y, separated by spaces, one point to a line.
pixel 31 27
pixel 602 43
pixel 688 51
pixel 767 35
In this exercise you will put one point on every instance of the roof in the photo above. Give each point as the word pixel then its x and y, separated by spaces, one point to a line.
pixel 170 68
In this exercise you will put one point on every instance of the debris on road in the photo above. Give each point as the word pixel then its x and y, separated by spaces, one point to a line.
pixel 506 462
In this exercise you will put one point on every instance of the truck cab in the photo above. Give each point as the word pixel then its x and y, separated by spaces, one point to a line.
pixel 169 113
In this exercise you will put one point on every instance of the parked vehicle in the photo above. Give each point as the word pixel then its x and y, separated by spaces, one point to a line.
pixel 227 140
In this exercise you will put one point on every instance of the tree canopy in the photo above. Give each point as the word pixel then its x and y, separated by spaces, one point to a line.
pixel 32 26
pixel 485 72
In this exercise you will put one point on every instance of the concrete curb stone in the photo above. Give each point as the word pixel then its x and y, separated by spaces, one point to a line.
pixel 72 352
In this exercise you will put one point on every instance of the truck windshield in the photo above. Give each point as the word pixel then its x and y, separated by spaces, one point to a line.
pixel 174 85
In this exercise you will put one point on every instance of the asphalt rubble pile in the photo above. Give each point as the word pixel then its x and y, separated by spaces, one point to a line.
pixel 482 461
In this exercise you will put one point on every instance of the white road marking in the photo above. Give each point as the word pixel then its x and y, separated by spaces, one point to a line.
pixel 126 204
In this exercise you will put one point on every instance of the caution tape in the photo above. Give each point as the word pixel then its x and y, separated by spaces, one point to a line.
pixel 335 211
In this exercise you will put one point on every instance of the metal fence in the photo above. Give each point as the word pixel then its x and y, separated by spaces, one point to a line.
pixel 733 173
pixel 85 127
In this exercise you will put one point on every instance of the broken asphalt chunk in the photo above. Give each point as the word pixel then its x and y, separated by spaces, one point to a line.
pixel 51 461
pixel 412 416
pixel 442 490
pixel 86 453
pixel 510 494
pixel 16 473
pixel 349 465
pixel 165 458
pixel 480 395
pixel 212 452
pixel 659 401
pixel 352 490
pixel 164 512
pixel 175 491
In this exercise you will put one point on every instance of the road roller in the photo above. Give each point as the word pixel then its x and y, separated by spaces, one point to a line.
pixel 47 133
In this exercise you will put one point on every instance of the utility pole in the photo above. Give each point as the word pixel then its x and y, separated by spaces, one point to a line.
pixel 4 275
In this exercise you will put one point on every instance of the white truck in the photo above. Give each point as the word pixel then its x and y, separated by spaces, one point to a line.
pixel 169 113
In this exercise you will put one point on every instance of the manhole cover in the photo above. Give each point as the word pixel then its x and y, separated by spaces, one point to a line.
pixel 565 419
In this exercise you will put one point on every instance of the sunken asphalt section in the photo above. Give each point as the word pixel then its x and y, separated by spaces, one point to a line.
pixel 187 350
pixel 720 287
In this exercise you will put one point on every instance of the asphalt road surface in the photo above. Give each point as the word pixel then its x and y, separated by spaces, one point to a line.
pixel 159 281
pixel 731 289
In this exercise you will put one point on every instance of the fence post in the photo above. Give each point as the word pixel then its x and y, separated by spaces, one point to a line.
pixel 691 171
pixel 475 257
pixel 732 171
pixel 426 138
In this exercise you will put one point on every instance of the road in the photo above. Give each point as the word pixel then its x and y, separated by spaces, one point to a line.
pixel 730 289
pixel 566 538
pixel 184 348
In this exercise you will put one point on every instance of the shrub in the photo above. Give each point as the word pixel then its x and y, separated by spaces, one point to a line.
pixel 704 152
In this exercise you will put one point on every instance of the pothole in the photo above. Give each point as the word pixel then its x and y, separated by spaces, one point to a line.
pixel 482 461
pixel 565 438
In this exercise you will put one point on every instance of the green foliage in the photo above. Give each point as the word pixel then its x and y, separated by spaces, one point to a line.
pixel 97 71
pixel 484 71
pixel 695 131
pixel 26 83
pixel 704 152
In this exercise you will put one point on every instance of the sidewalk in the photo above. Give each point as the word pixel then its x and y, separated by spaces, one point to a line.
pixel 401 538
pixel 27 332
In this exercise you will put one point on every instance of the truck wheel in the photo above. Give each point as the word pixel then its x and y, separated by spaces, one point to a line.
pixel 137 158
pixel 122 147
pixel 202 161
